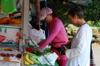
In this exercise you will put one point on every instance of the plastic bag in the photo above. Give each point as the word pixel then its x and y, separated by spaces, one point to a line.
pixel 52 57
pixel 36 36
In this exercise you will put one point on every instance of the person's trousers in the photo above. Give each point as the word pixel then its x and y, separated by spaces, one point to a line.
pixel 62 58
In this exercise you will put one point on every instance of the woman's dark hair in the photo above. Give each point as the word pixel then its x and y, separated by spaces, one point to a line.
pixel 54 14
pixel 76 11
pixel 34 23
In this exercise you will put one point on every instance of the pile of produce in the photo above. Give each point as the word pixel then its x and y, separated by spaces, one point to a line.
pixel 30 59
pixel 10 21
pixel 34 57
pixel 71 30
pixel 4 56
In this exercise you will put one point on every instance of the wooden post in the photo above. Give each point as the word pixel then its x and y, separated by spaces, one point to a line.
pixel 24 27
pixel 25 19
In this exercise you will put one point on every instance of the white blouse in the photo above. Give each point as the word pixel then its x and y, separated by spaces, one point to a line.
pixel 79 54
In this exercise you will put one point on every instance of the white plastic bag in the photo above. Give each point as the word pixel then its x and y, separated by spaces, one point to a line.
pixel 37 35
pixel 52 57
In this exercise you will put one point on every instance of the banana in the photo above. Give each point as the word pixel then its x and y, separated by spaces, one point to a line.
pixel 35 61
pixel 33 57
pixel 27 59
pixel 27 63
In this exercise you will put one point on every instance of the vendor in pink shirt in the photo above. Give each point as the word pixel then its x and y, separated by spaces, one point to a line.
pixel 57 35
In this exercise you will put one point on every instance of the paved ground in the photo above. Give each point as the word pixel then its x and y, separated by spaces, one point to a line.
pixel 96 50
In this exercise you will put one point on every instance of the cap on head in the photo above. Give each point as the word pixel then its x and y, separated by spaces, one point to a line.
pixel 44 12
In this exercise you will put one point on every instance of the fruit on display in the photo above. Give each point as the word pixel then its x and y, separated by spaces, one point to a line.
pixel 15 22
pixel 18 56
pixel 90 22
pixel 94 23
pixel 95 30
pixel 34 58
pixel 27 63
pixel 7 49
pixel 30 59
pixel 72 29
pixel 27 59
pixel 7 59
pixel 29 49
pixel 4 20
pixel 10 21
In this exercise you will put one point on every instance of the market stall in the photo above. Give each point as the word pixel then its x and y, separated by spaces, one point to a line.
pixel 32 56
pixel 20 33
pixel 10 21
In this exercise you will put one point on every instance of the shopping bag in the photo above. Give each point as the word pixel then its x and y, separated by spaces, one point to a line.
pixel 49 59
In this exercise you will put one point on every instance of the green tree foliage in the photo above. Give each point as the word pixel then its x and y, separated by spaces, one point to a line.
pixel 92 10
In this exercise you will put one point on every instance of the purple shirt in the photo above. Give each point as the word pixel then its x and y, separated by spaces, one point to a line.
pixel 57 34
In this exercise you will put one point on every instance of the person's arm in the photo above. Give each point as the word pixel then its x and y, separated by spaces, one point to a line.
pixel 55 31
pixel 81 44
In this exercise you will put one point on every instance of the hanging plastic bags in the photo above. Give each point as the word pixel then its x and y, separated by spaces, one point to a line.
pixel 8 6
